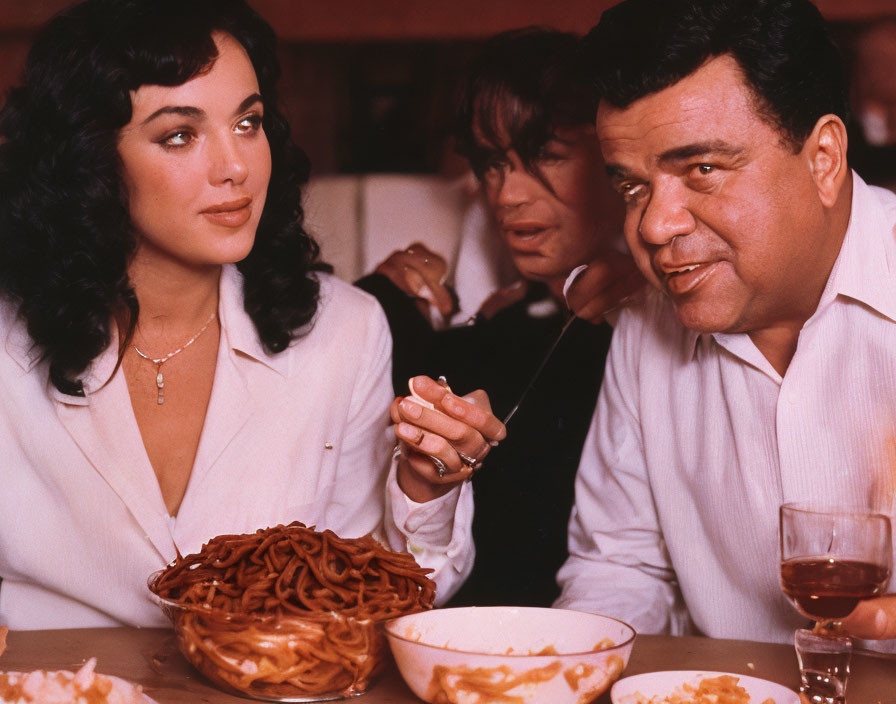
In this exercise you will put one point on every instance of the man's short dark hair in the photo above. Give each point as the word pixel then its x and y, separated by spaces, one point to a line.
pixel 783 47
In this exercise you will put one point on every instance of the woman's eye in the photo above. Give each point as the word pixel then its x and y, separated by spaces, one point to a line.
pixel 250 123
pixel 180 138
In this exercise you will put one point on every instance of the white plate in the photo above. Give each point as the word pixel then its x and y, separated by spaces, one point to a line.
pixel 664 684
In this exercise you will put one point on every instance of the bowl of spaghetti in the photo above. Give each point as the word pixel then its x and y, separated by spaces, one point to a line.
pixel 288 613
pixel 509 654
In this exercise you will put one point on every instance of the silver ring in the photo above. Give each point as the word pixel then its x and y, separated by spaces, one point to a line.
pixel 470 462
pixel 440 466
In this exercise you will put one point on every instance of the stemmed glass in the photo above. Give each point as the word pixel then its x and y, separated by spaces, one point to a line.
pixel 831 558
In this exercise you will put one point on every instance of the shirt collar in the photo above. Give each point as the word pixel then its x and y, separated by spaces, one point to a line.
pixel 237 327
pixel 19 344
pixel 21 348
pixel 865 269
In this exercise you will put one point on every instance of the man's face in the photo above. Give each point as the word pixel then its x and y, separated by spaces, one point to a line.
pixel 721 214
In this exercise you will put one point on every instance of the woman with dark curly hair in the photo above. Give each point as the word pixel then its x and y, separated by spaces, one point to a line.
pixel 174 364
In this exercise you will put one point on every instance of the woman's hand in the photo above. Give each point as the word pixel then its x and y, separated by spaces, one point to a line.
pixel 874 619
pixel 440 446
pixel 608 283
pixel 421 274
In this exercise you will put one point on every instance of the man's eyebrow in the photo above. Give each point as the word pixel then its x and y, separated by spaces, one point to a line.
pixel 616 172
pixel 689 151
pixel 187 111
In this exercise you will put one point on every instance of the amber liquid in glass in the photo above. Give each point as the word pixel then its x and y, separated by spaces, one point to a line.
pixel 826 589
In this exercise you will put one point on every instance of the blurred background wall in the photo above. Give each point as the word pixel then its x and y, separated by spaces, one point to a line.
pixel 368 83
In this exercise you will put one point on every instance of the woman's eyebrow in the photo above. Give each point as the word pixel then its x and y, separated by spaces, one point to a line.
pixel 251 100
pixel 197 113
pixel 184 111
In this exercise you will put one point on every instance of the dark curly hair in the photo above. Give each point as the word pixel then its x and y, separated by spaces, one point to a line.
pixel 65 233
pixel 783 47
pixel 525 83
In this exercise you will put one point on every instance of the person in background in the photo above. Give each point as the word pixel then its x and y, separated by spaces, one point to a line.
pixel 872 148
pixel 760 368
pixel 525 123
pixel 173 364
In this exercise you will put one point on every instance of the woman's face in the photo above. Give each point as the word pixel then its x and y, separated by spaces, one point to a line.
pixel 196 163
pixel 558 217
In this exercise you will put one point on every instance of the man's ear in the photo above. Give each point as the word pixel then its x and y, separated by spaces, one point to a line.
pixel 826 151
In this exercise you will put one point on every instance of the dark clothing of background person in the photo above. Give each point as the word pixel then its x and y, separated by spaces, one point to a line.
pixel 525 491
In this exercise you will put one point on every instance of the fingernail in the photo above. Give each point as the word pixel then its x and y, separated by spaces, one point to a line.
pixel 449 403
pixel 880 622
pixel 408 432
pixel 573 275
pixel 425 292
pixel 409 408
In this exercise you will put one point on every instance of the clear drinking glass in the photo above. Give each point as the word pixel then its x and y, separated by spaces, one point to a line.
pixel 831 558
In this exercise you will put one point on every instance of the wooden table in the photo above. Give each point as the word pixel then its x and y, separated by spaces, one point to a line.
pixel 150 657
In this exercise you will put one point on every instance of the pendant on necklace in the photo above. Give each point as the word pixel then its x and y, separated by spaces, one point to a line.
pixel 160 383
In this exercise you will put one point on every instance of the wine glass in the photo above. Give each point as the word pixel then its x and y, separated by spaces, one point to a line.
pixel 831 558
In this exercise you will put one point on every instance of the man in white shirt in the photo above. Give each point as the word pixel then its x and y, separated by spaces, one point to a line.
pixel 762 369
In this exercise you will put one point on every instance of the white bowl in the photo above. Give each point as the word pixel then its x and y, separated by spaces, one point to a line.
pixel 664 684
pixel 485 654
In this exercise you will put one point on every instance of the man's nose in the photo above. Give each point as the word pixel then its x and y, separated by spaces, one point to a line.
pixel 666 215
pixel 226 161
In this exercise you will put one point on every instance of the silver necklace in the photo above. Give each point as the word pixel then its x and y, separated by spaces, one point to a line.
pixel 160 380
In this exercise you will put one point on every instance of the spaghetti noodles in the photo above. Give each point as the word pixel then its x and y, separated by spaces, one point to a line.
pixel 289 610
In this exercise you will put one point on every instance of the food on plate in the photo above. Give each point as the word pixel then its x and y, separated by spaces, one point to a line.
pixel 64 687
pixel 509 654
pixel 723 689
pixel 289 610
pixel 478 685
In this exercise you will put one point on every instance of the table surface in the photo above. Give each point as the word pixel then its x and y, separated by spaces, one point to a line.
pixel 150 658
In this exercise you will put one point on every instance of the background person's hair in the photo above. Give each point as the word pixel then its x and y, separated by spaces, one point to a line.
pixel 524 85
pixel 65 233
pixel 783 47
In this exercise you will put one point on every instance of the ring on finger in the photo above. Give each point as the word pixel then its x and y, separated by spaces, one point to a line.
pixel 468 461
pixel 440 466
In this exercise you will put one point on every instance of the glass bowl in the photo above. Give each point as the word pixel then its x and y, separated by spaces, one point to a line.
pixel 509 654
pixel 308 657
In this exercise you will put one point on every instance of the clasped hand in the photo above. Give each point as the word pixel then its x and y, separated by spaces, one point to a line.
pixel 609 282
pixel 873 619
pixel 454 436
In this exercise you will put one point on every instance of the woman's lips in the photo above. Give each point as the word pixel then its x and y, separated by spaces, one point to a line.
pixel 233 213
pixel 687 278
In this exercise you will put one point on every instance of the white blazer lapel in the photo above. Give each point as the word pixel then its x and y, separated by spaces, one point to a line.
pixel 107 433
